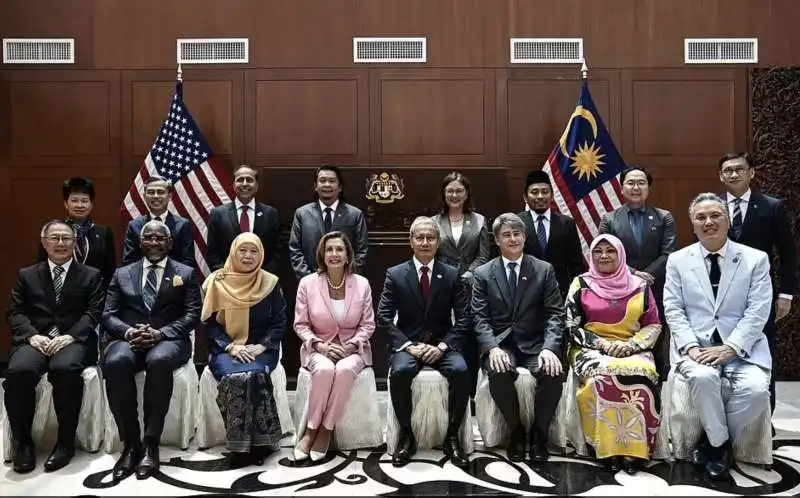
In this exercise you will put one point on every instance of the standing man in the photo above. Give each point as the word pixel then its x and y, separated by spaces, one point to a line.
pixel 94 244
pixel 55 306
pixel 157 196
pixel 519 319
pixel 151 308
pixel 648 234
pixel 549 235
pixel 761 222
pixel 717 298
pixel 244 214
pixel 433 320
pixel 328 212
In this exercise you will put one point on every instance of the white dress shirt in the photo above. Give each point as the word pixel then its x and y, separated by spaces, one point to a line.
pixel 705 252
pixel 251 213
pixel 159 269
pixel 546 220
pixel 457 227
pixel 65 266
pixel 742 205
pixel 323 206
pixel 162 217
pixel 518 261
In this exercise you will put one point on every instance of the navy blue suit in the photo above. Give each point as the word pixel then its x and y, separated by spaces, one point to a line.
pixel 267 323
pixel 182 240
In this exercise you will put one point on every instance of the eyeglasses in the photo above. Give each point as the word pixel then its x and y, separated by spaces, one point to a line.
pixel 730 171
pixel 55 239
pixel 458 191
pixel 640 183
pixel 154 238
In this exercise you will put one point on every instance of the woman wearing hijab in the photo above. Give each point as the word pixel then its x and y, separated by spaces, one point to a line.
pixel 613 325
pixel 245 314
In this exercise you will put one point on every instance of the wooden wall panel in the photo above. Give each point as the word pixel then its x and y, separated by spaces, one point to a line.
pixel 420 117
pixel 307 117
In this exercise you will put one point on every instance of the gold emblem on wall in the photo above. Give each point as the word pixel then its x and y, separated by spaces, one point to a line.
pixel 385 188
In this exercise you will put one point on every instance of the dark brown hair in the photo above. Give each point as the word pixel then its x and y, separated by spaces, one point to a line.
pixel 349 267
pixel 455 176
pixel 736 155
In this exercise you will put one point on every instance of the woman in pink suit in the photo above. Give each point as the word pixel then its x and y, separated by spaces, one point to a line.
pixel 334 319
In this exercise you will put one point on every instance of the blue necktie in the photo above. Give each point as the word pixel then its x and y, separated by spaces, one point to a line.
pixel 512 279
pixel 541 232
pixel 149 292
pixel 637 226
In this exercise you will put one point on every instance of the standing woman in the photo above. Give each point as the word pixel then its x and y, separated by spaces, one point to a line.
pixel 244 312
pixel 334 319
pixel 464 244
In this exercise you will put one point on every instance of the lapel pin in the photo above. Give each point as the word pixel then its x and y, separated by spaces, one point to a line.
pixel 649 217
pixel 736 259
pixel 524 278
pixel 438 275
pixel 467 222
pixel 259 213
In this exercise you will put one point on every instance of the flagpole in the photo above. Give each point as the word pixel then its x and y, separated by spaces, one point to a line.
pixel 584 70
pixel 180 72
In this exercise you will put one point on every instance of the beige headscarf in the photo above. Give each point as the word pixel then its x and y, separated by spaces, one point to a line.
pixel 231 292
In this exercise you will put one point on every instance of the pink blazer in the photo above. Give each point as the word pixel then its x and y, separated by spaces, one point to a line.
pixel 315 321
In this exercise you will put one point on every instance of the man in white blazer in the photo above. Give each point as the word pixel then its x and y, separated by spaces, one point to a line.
pixel 717 298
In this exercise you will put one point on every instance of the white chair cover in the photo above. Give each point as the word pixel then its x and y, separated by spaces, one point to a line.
pixel 429 413
pixel 358 427
pixel 45 425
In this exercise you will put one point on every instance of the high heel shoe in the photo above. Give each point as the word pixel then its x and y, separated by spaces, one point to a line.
pixel 299 455
pixel 317 456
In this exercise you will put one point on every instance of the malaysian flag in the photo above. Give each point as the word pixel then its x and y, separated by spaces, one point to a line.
pixel 182 155
pixel 584 169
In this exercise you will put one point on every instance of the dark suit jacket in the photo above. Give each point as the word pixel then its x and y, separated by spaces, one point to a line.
pixel 102 253
pixel 536 317
pixel 182 240
pixel 659 240
pixel 766 226
pixel 563 249
pixel 223 227
pixel 175 312
pixel 308 227
pixel 33 309
pixel 267 323
pixel 402 294
pixel 473 247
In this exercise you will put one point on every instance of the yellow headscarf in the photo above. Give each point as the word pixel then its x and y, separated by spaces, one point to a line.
pixel 231 292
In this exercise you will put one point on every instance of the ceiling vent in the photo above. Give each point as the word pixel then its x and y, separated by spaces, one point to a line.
pixel 38 51
pixel 390 50
pixel 547 50
pixel 720 50
pixel 213 51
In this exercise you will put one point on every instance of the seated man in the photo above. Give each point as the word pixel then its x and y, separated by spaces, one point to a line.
pixel 717 299
pixel 426 294
pixel 157 196
pixel 519 319
pixel 151 308
pixel 55 306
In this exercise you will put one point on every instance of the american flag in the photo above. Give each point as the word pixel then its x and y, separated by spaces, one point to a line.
pixel 182 155
pixel 584 169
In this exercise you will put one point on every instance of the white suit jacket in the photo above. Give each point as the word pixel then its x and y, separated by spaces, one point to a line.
pixel 739 312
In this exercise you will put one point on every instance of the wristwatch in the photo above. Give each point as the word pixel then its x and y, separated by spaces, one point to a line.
pixel 442 347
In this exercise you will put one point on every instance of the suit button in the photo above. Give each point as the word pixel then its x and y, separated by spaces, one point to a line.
pixel 716 317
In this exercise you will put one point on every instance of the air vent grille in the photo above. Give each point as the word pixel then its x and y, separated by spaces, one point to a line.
pixel 546 50
pixel 721 50
pixel 213 51
pixel 38 50
pixel 390 50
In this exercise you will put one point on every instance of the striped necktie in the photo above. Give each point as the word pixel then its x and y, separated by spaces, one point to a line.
pixel 737 218
pixel 150 287
pixel 58 285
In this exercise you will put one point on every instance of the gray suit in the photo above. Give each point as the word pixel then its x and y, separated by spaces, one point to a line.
pixel 534 319
pixel 737 314
pixel 308 227
pixel 472 248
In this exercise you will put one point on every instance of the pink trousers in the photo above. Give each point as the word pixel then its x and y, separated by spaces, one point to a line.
pixel 330 388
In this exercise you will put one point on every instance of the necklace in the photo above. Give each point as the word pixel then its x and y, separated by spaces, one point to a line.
pixel 456 220
pixel 334 287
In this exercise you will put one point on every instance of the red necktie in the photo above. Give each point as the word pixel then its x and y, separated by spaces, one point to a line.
pixel 244 220
pixel 425 283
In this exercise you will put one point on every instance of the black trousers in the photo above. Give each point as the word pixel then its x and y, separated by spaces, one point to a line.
pixel 771 330
pixel 64 371
pixel 120 365
pixel 452 366
pixel 546 398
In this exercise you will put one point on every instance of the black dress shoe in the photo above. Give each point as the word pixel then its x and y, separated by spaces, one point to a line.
pixel 516 446
pixel 452 449
pixel 700 452
pixel 59 458
pixel 259 454
pixel 406 448
pixel 150 462
pixel 631 465
pixel 24 457
pixel 719 462
pixel 612 463
pixel 126 465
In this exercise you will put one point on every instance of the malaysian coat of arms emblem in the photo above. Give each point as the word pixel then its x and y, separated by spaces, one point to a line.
pixel 385 188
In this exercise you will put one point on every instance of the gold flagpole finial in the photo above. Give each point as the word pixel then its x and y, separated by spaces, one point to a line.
pixel 180 72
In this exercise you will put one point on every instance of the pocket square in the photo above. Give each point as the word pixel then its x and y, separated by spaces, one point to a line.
pixel 177 281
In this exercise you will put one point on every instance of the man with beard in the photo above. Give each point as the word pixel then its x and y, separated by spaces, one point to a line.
pixel 244 214
pixel 157 196
pixel 550 235
pixel 328 212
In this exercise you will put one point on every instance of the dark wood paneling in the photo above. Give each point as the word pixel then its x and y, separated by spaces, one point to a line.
pixel 443 116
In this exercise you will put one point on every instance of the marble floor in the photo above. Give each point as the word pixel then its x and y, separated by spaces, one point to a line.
pixel 370 473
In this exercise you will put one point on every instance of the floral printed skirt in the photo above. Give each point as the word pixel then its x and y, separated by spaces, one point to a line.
pixel 249 411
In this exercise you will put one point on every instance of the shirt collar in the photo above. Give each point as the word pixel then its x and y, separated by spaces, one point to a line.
pixel 744 197
pixel 163 216
pixel 161 264
pixel 506 261
pixel 65 266
pixel 418 265
pixel 535 215
pixel 251 204
pixel 640 210
pixel 721 250
pixel 333 206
